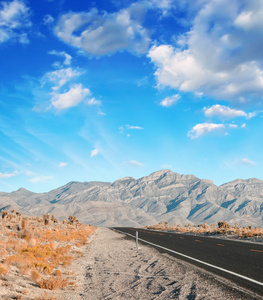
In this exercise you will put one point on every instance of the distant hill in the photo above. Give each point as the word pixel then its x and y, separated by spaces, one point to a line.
pixel 161 196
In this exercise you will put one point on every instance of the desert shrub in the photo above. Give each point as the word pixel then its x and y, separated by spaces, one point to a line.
pixel 53 283
pixel 26 233
pixel 35 275
pixel 57 273
pixel 43 268
pixel 24 224
pixel 3 270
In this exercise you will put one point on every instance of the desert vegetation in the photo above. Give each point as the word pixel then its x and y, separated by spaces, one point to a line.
pixel 222 228
pixel 40 249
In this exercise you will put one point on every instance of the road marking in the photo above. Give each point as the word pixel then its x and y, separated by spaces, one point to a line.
pixel 256 250
pixel 197 260
pixel 220 245
pixel 198 241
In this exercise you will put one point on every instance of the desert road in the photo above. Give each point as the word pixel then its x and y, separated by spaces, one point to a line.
pixel 239 262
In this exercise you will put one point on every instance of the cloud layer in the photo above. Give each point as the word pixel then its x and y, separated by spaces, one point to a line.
pixel 222 54
pixel 71 98
pixel 14 16
pixel 101 34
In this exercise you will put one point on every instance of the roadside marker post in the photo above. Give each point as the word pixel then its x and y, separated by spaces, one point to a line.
pixel 136 239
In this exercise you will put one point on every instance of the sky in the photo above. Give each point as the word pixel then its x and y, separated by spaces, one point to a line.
pixel 100 90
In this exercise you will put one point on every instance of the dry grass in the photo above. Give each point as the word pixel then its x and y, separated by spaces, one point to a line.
pixel 219 228
pixel 53 283
pixel 41 249
pixel 3 270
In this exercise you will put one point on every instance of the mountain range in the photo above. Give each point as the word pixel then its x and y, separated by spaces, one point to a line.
pixel 163 196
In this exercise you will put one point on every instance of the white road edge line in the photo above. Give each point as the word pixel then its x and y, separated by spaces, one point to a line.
pixel 197 260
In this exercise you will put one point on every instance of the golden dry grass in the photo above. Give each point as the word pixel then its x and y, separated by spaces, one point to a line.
pixel 219 228
pixel 41 248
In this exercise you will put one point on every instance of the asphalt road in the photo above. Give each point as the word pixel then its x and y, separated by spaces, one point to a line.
pixel 242 258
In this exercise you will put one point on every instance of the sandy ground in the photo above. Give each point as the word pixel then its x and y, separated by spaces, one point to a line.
pixel 115 269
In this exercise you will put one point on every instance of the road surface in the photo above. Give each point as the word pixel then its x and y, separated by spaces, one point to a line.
pixel 239 262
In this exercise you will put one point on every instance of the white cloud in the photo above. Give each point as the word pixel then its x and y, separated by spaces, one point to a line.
pixel 233 126
pixel 73 97
pixel 204 128
pixel 23 38
pixel 222 111
pixel 136 163
pixel 68 58
pixel 60 77
pixel 243 125
pixel 62 164
pixel 169 101
pixel 223 55
pixel 94 102
pixel 251 115
pixel 101 34
pixel 133 127
pixel 8 175
pixel 40 179
pixel 247 161
pixel 164 5
pixel 48 19
pixel 94 152
pixel 14 16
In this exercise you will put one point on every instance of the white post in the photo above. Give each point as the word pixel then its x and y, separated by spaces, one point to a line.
pixel 136 239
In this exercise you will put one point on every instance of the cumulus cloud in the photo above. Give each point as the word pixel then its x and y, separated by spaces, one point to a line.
pixel 205 128
pixel 60 77
pixel 136 163
pixel 73 97
pixel 169 101
pixel 101 34
pixel 8 175
pixel 14 17
pixel 40 179
pixel 247 161
pixel 62 164
pixel 222 56
pixel 94 152
pixel 222 111
pixel 66 56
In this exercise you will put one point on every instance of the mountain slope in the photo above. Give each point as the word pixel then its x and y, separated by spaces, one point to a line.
pixel 161 196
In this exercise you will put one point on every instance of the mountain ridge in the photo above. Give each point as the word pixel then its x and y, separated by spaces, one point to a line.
pixel 162 196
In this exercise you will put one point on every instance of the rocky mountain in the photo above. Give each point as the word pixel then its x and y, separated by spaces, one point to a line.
pixel 161 196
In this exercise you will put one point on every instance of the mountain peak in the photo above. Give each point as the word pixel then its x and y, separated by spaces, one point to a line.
pixel 23 191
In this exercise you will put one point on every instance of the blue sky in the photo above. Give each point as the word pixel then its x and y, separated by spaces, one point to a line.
pixel 106 89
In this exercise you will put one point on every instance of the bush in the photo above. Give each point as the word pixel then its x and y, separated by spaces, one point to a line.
pixel 53 283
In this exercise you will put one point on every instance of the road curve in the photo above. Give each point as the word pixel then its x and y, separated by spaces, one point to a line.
pixel 239 262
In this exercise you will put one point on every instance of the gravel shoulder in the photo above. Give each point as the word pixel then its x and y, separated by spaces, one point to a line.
pixel 115 269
